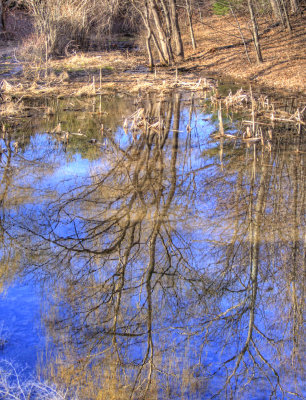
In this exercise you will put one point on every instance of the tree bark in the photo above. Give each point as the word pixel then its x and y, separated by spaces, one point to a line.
pixel 2 21
pixel 189 15
pixel 176 30
pixel 255 32
pixel 160 31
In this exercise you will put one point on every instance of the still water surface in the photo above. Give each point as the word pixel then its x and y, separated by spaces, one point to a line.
pixel 145 257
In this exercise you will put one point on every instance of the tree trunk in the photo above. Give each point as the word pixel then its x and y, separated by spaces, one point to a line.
pixel 276 11
pixel 2 22
pixel 255 32
pixel 294 6
pixel 160 31
pixel 176 30
pixel 150 34
pixel 241 34
pixel 168 29
pixel 149 50
pixel 189 15
pixel 160 53
pixel 285 15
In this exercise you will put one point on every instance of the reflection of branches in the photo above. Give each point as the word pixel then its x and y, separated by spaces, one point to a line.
pixel 235 255
pixel 112 223
pixel 255 240
pixel 162 252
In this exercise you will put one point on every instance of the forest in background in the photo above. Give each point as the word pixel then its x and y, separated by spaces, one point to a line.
pixel 259 41
pixel 61 26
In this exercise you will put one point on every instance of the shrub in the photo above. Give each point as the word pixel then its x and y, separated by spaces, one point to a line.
pixel 220 7
pixel 59 23
pixel 33 48
pixel 14 386
pixel 69 24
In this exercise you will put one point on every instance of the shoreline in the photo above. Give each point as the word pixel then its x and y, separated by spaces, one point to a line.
pixel 219 54
pixel 94 73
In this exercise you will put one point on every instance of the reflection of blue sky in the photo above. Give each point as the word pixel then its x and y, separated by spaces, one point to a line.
pixel 20 321
pixel 53 169
pixel 48 167
pixel 71 174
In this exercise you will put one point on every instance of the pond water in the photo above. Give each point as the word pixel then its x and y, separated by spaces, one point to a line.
pixel 144 256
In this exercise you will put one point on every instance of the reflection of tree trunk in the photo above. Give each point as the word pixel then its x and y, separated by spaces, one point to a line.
pixel 297 309
pixel 230 250
pixel 159 218
pixel 254 230
pixel 119 288
pixel 6 182
pixel 255 239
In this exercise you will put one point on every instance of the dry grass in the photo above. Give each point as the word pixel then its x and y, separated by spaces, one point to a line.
pixel 97 73
pixel 115 60
pixel 14 386
pixel 11 108
pixel 101 72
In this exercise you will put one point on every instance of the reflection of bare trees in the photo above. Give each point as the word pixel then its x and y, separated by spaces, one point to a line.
pixel 264 210
pixel 19 175
pixel 9 255
pixel 120 248
pixel 172 275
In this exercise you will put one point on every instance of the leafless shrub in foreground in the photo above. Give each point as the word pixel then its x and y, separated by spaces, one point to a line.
pixel 14 386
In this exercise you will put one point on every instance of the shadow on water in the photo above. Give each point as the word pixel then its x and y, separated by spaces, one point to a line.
pixel 170 256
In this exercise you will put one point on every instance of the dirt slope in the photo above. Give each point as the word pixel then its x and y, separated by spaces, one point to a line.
pixel 220 50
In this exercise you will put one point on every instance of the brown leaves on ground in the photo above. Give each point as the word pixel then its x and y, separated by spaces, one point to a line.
pixel 283 52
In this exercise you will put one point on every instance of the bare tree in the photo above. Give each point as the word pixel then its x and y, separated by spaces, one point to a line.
pixel 2 23
pixel 255 31
pixel 161 22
